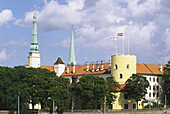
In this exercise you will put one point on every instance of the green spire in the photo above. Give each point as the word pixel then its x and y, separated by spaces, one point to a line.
pixel 34 43
pixel 72 60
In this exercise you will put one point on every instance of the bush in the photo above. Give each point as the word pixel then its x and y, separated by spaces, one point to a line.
pixel 155 105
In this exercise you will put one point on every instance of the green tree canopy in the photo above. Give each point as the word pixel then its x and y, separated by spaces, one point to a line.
pixel 33 85
pixel 92 91
pixel 136 87
pixel 112 85
pixel 166 79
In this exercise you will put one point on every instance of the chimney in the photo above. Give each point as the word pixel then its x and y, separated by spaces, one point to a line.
pixel 139 63
pixel 97 66
pixel 92 67
pixel 87 68
pixel 102 67
pixel 67 70
pixel 109 69
pixel 161 68
pixel 74 69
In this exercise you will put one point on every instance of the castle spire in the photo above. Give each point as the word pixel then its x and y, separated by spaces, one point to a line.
pixel 34 43
pixel 34 55
pixel 72 60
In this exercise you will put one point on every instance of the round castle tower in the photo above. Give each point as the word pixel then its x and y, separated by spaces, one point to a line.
pixel 122 67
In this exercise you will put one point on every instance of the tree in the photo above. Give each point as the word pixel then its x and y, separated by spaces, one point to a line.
pixel 92 91
pixel 60 93
pixel 112 85
pixel 12 86
pixel 136 87
pixel 33 85
pixel 166 79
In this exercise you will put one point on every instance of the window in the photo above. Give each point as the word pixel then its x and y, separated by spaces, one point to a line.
pixel 158 88
pixel 153 94
pixel 125 96
pixel 128 66
pixel 134 106
pixel 149 94
pixel 121 76
pixel 125 106
pixel 149 87
pixel 157 94
pixel 153 87
pixel 158 80
pixel 150 79
pixel 116 67
pixel 153 79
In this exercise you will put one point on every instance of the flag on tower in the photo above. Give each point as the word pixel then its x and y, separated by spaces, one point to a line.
pixel 119 34
pixel 114 38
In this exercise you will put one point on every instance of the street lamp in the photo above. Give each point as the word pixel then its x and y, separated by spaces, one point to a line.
pixel 149 106
pixel 53 103
pixel 18 102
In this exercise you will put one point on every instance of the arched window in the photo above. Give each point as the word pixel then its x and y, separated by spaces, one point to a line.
pixel 128 66
pixel 121 76
pixel 116 67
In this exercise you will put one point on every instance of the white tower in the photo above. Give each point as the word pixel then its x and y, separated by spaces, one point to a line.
pixel 34 55
pixel 59 67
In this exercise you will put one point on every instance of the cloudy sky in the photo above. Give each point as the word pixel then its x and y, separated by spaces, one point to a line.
pixel 145 23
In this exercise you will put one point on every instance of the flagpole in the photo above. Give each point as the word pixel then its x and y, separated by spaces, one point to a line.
pixel 123 45
pixel 128 46
pixel 116 48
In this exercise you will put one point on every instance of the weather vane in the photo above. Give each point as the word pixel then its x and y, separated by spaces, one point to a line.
pixel 34 12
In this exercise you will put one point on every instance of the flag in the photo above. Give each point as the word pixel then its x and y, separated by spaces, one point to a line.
pixel 114 38
pixel 119 34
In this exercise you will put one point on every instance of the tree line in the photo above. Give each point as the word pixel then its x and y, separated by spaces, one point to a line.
pixel 33 86
pixel 37 85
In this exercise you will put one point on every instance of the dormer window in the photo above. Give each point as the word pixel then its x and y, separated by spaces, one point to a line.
pixel 127 66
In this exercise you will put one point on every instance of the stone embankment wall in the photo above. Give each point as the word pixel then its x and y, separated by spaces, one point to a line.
pixel 146 111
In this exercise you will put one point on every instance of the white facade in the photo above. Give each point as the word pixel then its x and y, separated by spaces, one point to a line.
pixel 154 91
pixel 34 59
pixel 37 106
pixel 59 69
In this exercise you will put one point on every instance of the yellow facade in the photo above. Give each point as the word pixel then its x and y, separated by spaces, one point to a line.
pixel 121 102
pixel 122 67
pixel 30 61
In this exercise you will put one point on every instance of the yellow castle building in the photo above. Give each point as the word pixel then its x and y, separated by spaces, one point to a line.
pixel 122 68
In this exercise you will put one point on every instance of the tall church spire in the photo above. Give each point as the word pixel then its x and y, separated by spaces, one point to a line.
pixel 34 55
pixel 72 60
pixel 34 43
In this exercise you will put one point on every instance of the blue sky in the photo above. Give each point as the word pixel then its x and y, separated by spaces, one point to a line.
pixel 146 23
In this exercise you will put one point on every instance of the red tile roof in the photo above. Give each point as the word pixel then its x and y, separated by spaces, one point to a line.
pixel 81 69
pixel 51 68
pixel 149 69
pixel 121 87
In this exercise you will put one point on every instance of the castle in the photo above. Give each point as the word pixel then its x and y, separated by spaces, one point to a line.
pixel 120 66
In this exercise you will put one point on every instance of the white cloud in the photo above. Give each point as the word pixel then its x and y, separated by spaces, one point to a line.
pixel 6 16
pixel 14 43
pixel 4 56
pixel 167 40
pixel 55 16
pixel 143 22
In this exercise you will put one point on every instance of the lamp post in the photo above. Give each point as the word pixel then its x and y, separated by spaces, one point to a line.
pixel 149 107
pixel 18 102
pixel 104 111
pixel 53 104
